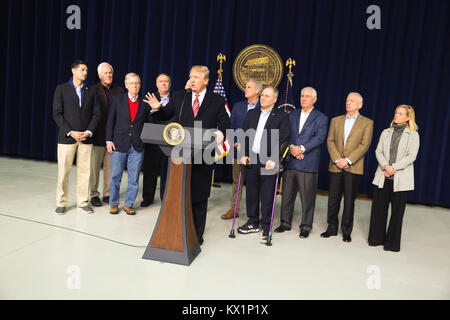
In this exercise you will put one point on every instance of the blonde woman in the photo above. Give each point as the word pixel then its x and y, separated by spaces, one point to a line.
pixel 396 152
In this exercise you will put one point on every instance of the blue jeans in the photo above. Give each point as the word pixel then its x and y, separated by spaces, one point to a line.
pixel 133 159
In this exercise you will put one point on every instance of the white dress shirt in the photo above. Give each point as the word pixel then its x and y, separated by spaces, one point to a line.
pixel 256 148
pixel 303 117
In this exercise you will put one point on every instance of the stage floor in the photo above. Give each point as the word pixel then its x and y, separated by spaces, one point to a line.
pixel 46 256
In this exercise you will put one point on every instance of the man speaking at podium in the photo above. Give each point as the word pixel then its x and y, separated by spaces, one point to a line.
pixel 202 105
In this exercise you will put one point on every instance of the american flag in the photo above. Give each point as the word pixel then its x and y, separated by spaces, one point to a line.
pixel 222 149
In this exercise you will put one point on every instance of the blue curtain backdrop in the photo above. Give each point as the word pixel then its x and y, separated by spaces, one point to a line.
pixel 407 61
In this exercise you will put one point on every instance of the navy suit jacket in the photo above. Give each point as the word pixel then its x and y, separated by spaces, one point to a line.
pixel 238 113
pixel 69 116
pixel 313 134
pixel 120 129
pixel 278 119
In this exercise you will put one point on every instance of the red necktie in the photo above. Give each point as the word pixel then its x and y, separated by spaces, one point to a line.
pixel 196 105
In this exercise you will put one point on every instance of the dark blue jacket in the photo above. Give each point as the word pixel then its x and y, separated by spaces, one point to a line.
pixel 69 116
pixel 278 119
pixel 120 129
pixel 313 134
pixel 238 113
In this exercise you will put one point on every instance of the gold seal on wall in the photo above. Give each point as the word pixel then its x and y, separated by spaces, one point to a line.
pixel 259 62
pixel 173 133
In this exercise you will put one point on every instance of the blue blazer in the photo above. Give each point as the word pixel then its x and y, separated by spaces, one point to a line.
pixel 313 134
pixel 238 113
pixel 120 129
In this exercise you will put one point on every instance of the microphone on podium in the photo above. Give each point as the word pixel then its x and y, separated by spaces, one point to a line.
pixel 186 93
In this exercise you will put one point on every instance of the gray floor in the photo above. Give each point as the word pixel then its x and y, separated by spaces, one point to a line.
pixel 39 261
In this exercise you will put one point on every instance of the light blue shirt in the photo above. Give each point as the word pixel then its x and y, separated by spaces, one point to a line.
pixel 164 100
pixel 349 122
pixel 251 106
pixel 260 130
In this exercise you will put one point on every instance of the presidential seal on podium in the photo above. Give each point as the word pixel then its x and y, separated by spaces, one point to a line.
pixel 173 133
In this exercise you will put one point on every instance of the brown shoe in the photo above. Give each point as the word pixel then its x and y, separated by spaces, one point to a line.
pixel 129 210
pixel 229 215
pixel 114 209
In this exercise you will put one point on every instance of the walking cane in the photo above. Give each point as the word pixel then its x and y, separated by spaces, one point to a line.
pixel 241 166
pixel 269 237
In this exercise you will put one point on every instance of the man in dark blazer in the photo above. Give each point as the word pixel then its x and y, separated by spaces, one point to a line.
pixel 154 159
pixel 77 113
pixel 199 105
pixel 104 90
pixel 261 173
pixel 308 132
pixel 123 140
pixel 253 89
pixel 348 140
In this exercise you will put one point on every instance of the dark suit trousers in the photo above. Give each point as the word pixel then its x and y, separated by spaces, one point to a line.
pixel 260 188
pixel 379 213
pixel 306 184
pixel 199 210
pixel 342 183
pixel 154 161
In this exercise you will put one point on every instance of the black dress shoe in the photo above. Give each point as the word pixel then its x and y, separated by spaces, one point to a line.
pixel 106 200
pixel 281 228
pixel 347 238
pixel 200 241
pixel 146 203
pixel 304 234
pixel 95 201
pixel 328 234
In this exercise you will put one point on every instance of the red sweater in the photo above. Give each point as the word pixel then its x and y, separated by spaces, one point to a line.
pixel 133 106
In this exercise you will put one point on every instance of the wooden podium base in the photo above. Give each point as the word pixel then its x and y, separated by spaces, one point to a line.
pixel 174 239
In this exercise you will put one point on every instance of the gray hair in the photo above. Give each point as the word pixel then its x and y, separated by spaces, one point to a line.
pixel 314 92
pixel 101 65
pixel 258 85
pixel 275 91
pixel 360 98
pixel 131 75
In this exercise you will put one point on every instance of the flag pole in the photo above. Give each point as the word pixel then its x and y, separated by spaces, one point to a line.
pixel 220 58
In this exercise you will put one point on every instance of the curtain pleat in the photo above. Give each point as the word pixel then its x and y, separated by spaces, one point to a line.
pixel 407 61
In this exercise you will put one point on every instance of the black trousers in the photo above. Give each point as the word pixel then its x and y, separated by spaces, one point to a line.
pixel 199 210
pixel 345 183
pixel 154 161
pixel 259 189
pixel 379 213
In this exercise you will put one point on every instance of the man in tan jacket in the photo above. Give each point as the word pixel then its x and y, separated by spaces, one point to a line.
pixel 349 138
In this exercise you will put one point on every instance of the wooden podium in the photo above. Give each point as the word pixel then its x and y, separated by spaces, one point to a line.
pixel 174 238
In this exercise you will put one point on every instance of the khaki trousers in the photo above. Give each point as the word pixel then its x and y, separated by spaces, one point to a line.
pixel 99 155
pixel 236 166
pixel 66 154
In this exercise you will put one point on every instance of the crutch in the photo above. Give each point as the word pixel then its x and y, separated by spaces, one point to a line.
pixel 241 166
pixel 269 236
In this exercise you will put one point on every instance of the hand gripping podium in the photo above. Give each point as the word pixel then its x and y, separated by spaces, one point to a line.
pixel 174 238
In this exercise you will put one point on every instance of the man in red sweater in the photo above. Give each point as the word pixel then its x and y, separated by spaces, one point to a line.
pixel 123 131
